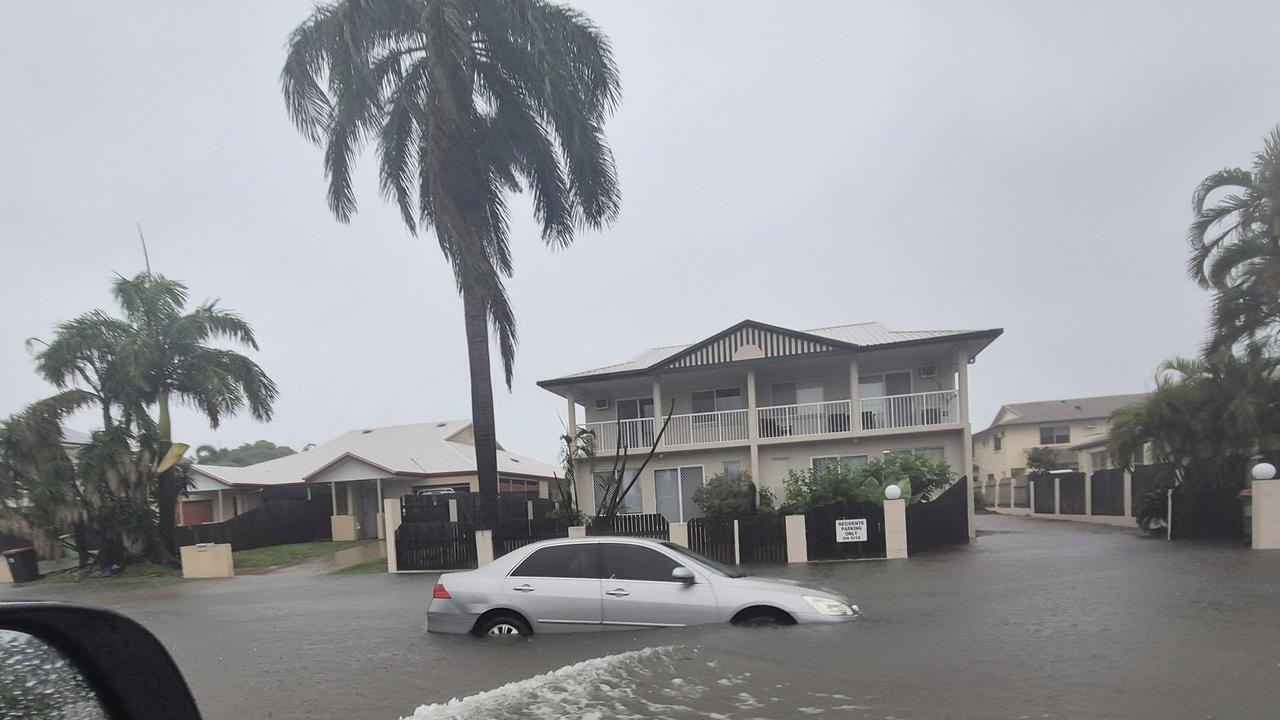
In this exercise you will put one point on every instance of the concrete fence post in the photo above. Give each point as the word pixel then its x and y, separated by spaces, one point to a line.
pixel 529 505
pixel 797 542
pixel 1031 495
pixel 895 529
pixel 578 531
pixel 1266 514
pixel 679 533
pixel 1128 494
pixel 484 547
pixel 391 518
pixel 1088 494
pixel 737 544
pixel 1057 495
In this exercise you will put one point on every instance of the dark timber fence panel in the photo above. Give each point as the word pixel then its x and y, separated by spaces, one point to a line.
pixel 762 538
pixel 1107 487
pixel 278 522
pixel 426 508
pixel 942 521
pixel 1143 482
pixel 512 534
pixel 1043 494
pixel 435 546
pixel 651 525
pixel 820 532
pixel 1071 493
pixel 712 538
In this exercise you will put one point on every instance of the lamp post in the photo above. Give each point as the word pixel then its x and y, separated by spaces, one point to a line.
pixel 1263 471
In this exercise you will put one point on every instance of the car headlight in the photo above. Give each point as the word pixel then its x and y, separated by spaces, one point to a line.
pixel 828 606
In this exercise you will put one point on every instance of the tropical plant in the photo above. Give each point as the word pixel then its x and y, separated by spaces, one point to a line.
pixel 917 476
pixel 618 483
pixel 1202 424
pixel 1235 249
pixel 726 496
pixel 467 101
pixel 573 448
pixel 157 353
pixel 242 456
pixel 1042 461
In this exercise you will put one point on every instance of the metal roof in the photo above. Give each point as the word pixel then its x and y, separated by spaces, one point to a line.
pixel 862 335
pixel 1065 410
pixel 420 449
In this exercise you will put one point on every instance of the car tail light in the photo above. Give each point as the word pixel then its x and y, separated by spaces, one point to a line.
pixel 440 593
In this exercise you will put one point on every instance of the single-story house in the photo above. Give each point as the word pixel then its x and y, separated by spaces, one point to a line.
pixel 356 471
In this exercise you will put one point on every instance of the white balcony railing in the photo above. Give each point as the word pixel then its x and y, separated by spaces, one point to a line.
pixel 634 434
pixel 915 410
pixel 712 427
pixel 805 419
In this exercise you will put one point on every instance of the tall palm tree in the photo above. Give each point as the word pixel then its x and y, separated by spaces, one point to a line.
pixel 1235 249
pixel 467 101
pixel 157 353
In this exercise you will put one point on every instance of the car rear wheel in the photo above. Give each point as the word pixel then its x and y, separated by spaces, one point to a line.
pixel 503 626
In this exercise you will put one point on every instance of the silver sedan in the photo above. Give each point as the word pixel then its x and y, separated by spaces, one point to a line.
pixel 599 583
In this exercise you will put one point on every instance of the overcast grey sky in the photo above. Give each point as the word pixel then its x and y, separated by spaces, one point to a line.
pixel 928 165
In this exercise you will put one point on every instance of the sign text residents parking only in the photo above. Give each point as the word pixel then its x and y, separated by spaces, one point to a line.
pixel 854 530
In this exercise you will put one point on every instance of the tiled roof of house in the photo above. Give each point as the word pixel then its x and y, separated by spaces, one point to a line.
pixel 864 335
pixel 431 448
pixel 1065 410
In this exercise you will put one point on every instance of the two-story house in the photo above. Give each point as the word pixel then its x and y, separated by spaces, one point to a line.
pixel 770 400
pixel 1076 429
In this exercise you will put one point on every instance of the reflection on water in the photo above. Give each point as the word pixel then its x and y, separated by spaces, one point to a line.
pixel 37 682
pixel 668 682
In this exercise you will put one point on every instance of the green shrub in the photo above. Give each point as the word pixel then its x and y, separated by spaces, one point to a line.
pixel 726 497
pixel 917 476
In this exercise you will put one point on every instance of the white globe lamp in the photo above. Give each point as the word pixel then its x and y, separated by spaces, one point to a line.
pixel 1264 471
pixel 893 492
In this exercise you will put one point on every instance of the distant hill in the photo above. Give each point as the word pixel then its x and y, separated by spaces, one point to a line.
pixel 245 455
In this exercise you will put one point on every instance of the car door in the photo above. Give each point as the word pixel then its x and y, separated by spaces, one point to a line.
pixel 640 592
pixel 557 587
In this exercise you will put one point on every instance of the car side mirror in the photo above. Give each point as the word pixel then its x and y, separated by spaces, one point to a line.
pixel 682 574
pixel 69 661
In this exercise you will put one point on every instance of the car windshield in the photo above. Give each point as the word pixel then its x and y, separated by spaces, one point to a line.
pixel 707 563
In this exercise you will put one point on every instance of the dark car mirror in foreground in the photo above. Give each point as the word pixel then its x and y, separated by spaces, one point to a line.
pixel 76 663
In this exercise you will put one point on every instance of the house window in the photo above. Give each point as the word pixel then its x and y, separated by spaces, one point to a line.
pixel 709 401
pixel 936 454
pixel 519 486
pixel 1098 459
pixel 1055 435
pixel 732 468
pixel 801 392
pixel 673 492
pixel 928 371
pixel 632 502
pixel 995 442
pixel 822 462
pixel 991 477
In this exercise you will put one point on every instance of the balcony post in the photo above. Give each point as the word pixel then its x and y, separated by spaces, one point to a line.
pixel 658 412
pixel 855 401
pixel 573 413
pixel 753 428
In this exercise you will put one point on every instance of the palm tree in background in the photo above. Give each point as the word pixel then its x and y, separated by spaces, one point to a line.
pixel 467 101
pixel 154 355
pixel 1235 249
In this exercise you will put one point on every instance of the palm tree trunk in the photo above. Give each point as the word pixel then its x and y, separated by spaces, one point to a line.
pixel 166 490
pixel 475 310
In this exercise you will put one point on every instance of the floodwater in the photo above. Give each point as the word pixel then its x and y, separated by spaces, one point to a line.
pixel 1036 619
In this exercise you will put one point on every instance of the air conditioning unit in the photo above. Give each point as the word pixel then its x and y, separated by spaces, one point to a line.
pixel 928 371
pixel 602 403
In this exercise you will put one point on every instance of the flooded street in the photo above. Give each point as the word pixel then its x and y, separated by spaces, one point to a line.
pixel 1034 620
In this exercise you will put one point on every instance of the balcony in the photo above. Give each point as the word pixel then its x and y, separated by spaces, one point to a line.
pixel 891 412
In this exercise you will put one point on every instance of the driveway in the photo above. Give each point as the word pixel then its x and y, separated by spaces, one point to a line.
pixel 1035 619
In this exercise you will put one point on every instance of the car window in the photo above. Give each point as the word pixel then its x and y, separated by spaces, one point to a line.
pixel 635 562
pixel 580 560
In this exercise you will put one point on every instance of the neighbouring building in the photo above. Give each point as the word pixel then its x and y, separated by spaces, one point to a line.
pixel 1077 430
pixel 769 400
pixel 356 471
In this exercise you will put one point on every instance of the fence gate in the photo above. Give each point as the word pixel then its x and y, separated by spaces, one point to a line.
pixel 1071 493
pixel 1044 495
pixel 712 538
pixel 435 546
pixel 820 532
pixel 1107 487
pixel 512 534
pixel 762 538
pixel 943 520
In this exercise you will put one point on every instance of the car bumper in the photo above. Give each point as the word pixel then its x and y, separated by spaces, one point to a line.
pixel 444 618
pixel 815 618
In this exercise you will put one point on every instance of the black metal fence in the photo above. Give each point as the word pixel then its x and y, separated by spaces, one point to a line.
pixel 277 522
pixel 762 538
pixel 511 534
pixel 942 521
pixel 820 532
pixel 651 525
pixel 712 538
pixel 435 546
pixel 1043 495
pixel 1071 493
pixel 1107 488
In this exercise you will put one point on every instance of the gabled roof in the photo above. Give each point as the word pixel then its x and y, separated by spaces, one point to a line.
pixel 417 450
pixel 1090 408
pixel 767 341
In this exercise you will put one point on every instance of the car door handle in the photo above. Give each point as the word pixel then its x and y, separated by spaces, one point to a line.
pixel 617 592
pixel 523 588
